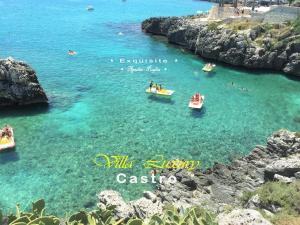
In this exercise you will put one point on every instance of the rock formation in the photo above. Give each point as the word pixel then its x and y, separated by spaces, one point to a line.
pixel 222 185
pixel 19 84
pixel 239 48
pixel 242 217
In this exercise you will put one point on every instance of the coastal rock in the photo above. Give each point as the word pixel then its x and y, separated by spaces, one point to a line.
pixel 293 66
pixel 237 48
pixel 225 184
pixel 143 208
pixel 283 179
pixel 242 217
pixel 110 197
pixel 281 168
pixel 220 186
pixel 19 84
pixel 253 203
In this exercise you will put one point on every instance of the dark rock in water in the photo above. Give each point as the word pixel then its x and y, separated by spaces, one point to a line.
pixel 236 48
pixel 297 119
pixel 19 84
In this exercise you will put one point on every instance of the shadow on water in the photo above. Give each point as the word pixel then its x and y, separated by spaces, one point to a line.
pixel 10 155
pixel 210 74
pixel 198 113
pixel 161 99
pixel 293 77
pixel 30 110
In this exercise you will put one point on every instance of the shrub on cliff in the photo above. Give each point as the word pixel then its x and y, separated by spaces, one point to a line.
pixel 280 197
pixel 297 25
pixel 286 196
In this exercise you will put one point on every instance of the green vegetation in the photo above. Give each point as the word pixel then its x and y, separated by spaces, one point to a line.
pixel 291 1
pixel 213 26
pixel 240 25
pixel 271 36
pixel 171 216
pixel 296 25
pixel 281 195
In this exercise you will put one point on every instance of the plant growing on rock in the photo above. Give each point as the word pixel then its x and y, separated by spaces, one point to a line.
pixel 280 198
pixel 171 216
pixel 192 216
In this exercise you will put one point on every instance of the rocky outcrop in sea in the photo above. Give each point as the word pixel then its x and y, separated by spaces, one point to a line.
pixel 19 84
pixel 222 185
pixel 238 48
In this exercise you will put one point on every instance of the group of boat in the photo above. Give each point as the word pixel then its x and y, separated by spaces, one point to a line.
pixel 7 140
pixel 196 101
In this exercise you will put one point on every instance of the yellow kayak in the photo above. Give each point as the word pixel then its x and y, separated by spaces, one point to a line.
pixel 208 67
pixel 163 92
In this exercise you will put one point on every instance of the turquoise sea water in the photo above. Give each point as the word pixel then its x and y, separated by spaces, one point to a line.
pixel 95 107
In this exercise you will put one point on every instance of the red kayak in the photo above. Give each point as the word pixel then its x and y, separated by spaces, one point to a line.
pixel 196 101
pixel 7 140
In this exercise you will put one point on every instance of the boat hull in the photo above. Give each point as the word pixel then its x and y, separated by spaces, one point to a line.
pixel 208 68
pixel 160 93
pixel 196 106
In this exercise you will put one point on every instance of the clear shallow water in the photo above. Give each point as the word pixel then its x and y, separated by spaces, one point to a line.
pixel 96 107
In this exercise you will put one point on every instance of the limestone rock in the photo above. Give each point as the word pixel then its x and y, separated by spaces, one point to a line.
pixel 110 197
pixel 19 84
pixel 283 179
pixel 242 217
pixel 232 47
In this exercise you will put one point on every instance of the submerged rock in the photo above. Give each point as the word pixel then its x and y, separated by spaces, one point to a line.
pixel 19 84
pixel 238 48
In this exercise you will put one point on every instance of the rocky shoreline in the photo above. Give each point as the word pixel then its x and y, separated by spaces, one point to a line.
pixel 212 40
pixel 19 84
pixel 222 185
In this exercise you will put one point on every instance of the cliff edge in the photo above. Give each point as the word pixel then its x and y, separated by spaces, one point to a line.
pixel 244 42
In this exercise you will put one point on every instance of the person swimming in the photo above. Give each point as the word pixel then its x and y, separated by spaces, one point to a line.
pixel 71 52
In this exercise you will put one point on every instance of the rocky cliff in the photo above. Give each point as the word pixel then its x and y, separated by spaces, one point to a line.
pixel 248 44
pixel 222 185
pixel 19 84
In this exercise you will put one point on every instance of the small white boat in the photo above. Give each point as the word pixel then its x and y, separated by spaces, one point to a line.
pixel 196 101
pixel 7 140
pixel 208 67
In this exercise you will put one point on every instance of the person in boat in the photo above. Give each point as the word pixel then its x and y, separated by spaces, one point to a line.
pixel 157 87
pixel 151 85
pixel 160 87
pixel 71 52
pixel 2 134
pixel 6 131
pixel 193 99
